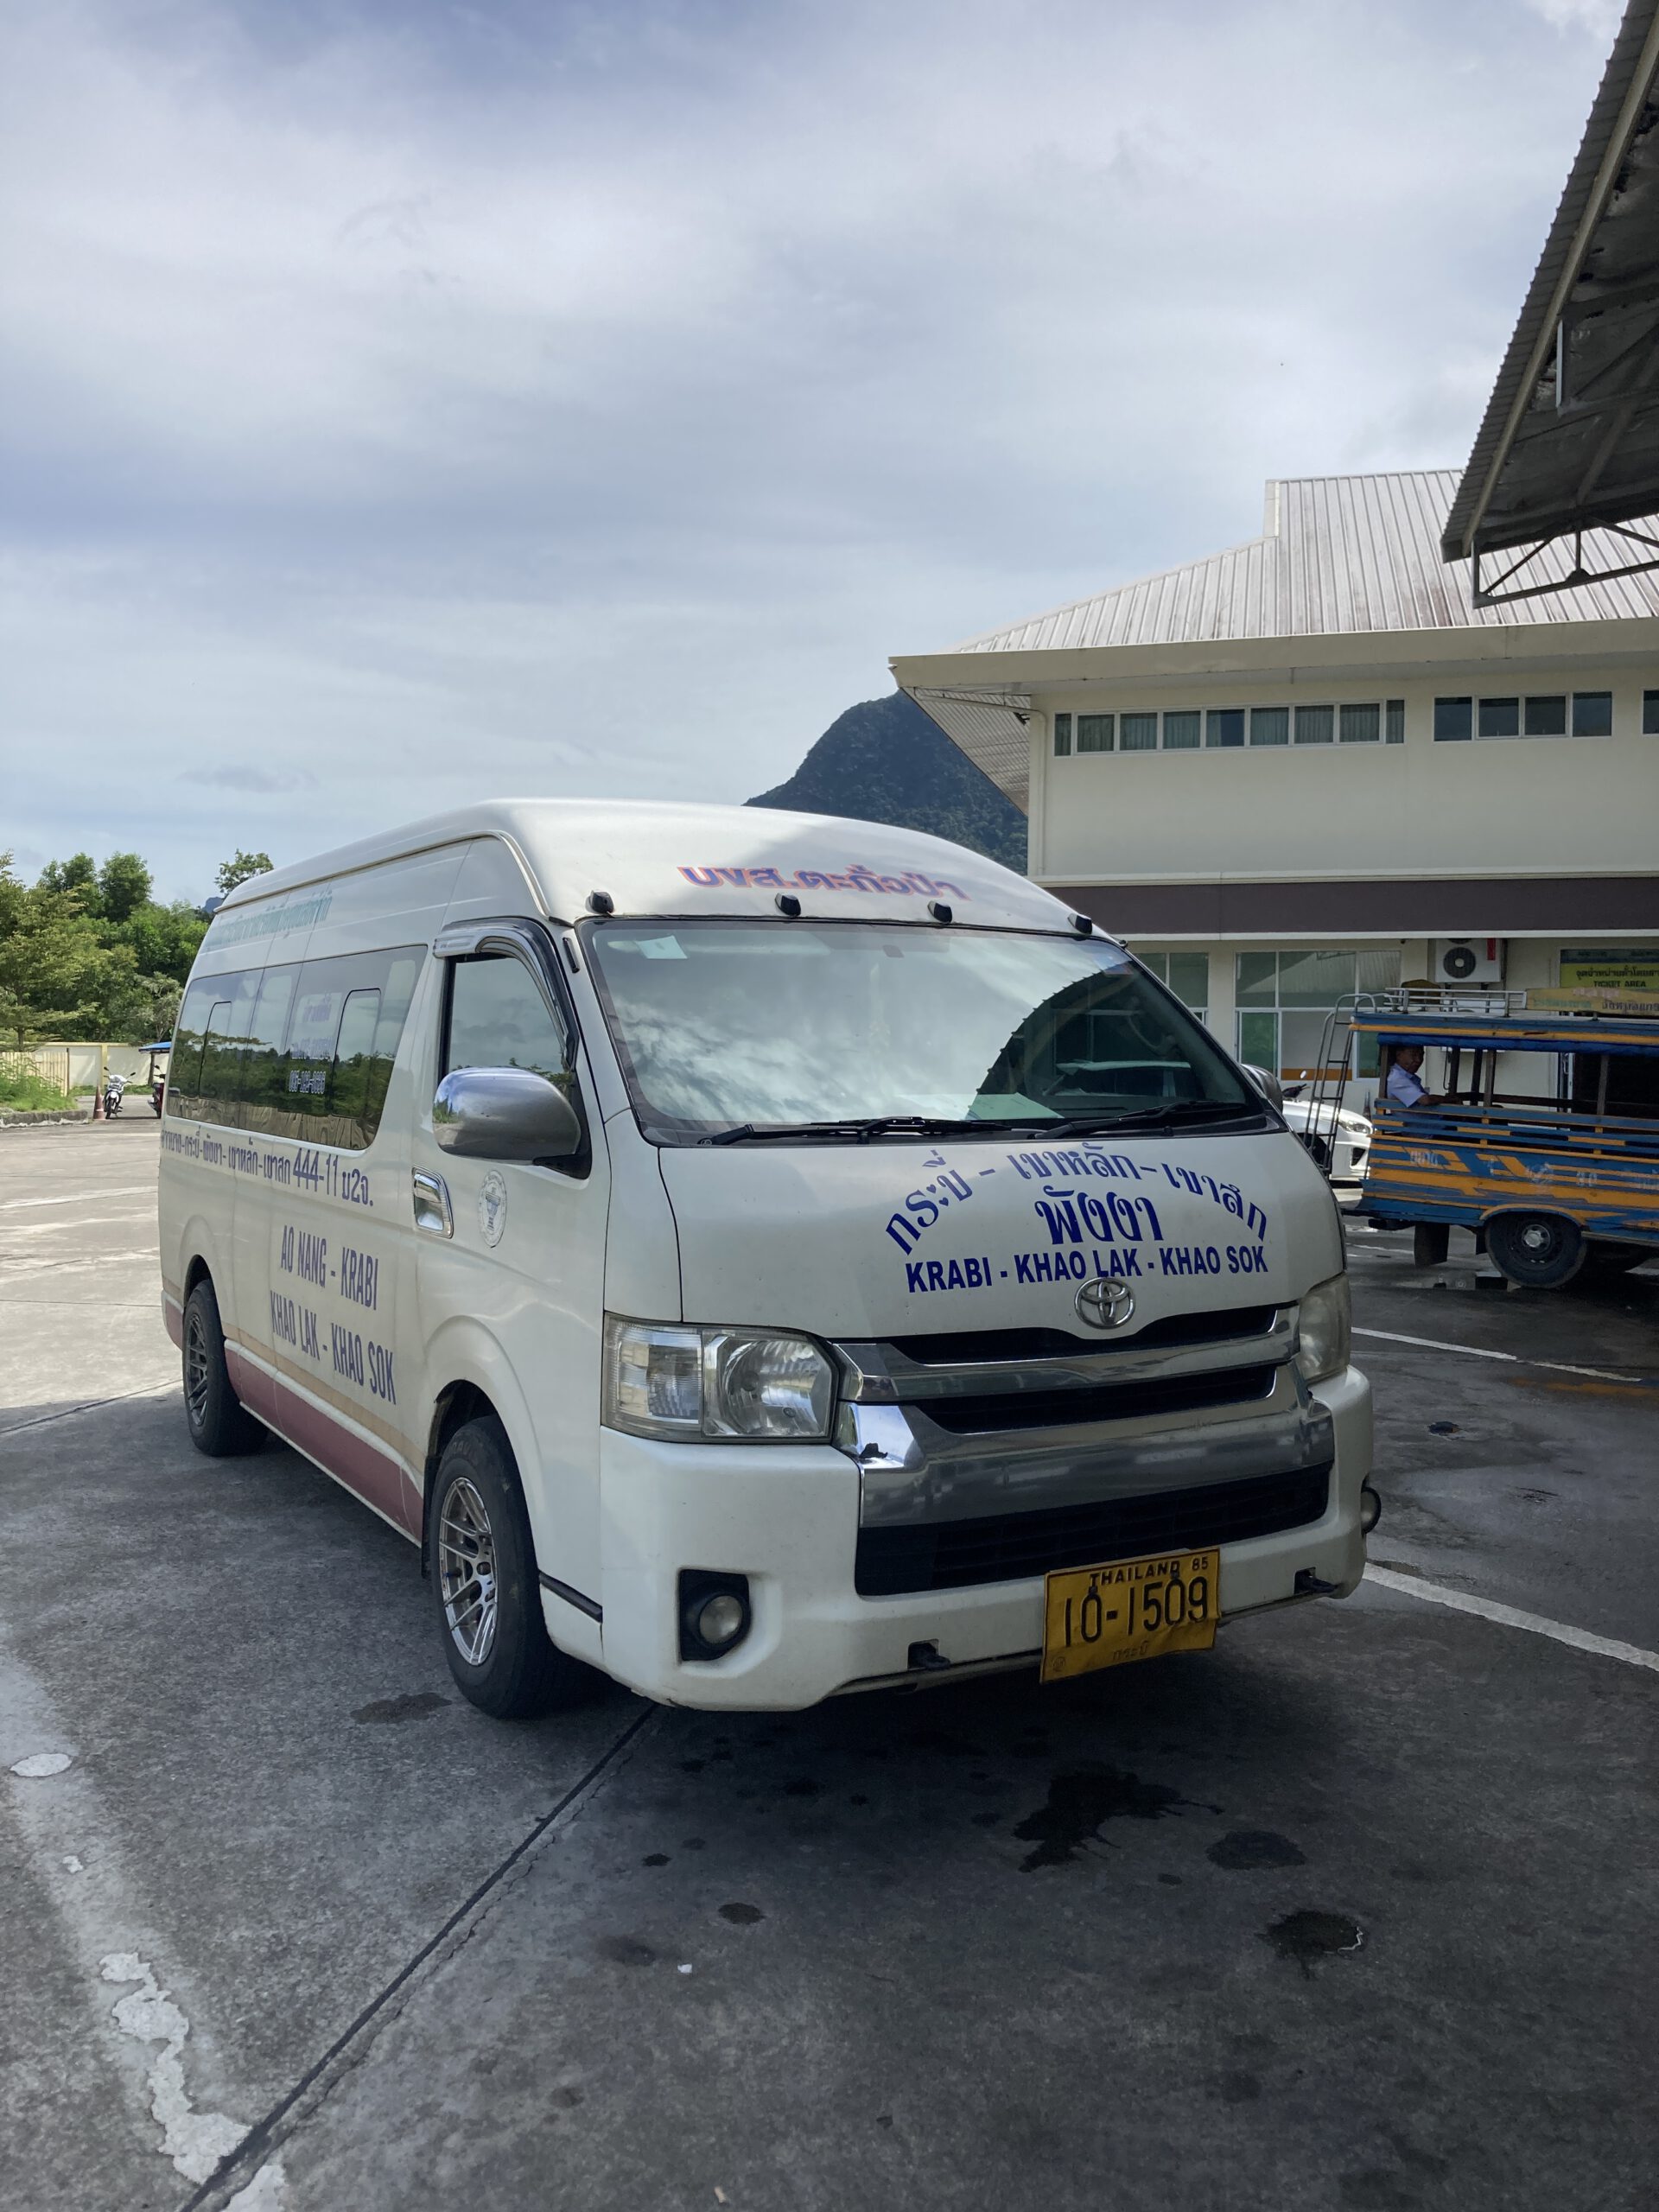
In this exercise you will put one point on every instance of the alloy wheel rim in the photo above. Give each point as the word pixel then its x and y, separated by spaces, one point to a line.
pixel 195 1370
pixel 466 1571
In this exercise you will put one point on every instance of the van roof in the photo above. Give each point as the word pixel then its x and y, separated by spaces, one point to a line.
pixel 655 858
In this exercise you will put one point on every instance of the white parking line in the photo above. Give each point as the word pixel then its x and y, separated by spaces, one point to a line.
pixel 1513 1358
pixel 1488 1609
pixel 80 1197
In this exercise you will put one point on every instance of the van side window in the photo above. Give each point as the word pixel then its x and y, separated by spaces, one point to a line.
pixel 296 1052
pixel 343 1036
pixel 202 1082
pixel 499 1017
pixel 264 1071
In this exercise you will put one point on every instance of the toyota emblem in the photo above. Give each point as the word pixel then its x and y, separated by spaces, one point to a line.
pixel 1105 1303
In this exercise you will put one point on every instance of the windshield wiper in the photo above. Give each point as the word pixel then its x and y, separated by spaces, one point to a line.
pixel 1170 1115
pixel 860 1131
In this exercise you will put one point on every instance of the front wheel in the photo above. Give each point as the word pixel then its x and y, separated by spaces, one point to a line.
pixel 1540 1251
pixel 483 1568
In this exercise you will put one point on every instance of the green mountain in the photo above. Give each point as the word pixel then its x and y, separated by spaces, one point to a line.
pixel 885 760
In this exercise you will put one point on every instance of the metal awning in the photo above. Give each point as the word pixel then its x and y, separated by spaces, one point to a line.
pixel 1570 442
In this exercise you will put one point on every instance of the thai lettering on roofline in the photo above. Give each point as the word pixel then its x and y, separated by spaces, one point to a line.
pixel 914 883
pixel 272 921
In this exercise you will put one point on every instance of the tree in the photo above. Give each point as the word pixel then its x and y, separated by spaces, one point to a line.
pixel 123 886
pixel 238 870
pixel 78 874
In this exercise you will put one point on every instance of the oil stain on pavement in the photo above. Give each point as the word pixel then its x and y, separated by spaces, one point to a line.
pixel 1082 1800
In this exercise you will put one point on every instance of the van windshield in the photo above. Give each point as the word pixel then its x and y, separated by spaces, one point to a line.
pixel 734 1031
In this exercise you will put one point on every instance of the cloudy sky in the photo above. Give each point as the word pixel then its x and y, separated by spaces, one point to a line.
pixel 404 402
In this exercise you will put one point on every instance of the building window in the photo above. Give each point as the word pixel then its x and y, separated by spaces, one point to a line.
pixel 1362 725
pixel 1500 718
pixel 1592 713
pixel 1269 725
pixel 1093 733
pixel 1061 736
pixel 1396 722
pixel 1453 720
pixel 1285 1001
pixel 1181 732
pixel 1187 974
pixel 1315 725
pixel 1224 726
pixel 1546 715
pixel 1650 714
pixel 1137 733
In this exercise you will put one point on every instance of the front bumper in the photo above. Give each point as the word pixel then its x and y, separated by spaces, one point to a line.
pixel 788 1517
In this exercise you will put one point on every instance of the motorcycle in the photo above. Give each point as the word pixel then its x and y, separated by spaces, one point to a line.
pixel 113 1090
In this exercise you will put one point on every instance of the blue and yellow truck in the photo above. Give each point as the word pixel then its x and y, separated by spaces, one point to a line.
pixel 1555 1177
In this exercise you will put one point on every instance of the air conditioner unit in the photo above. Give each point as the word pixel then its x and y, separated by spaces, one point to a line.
pixel 1469 960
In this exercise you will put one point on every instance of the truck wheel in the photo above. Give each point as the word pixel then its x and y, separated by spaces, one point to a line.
pixel 219 1424
pixel 484 1577
pixel 1541 1251
pixel 1430 1242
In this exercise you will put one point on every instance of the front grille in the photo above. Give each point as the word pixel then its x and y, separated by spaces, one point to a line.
pixel 1012 1546
pixel 1182 1394
pixel 961 1347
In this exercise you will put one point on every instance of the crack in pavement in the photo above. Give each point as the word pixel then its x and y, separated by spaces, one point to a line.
pixel 259 2138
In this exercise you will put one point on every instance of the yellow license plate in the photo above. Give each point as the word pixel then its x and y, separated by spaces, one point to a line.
pixel 1129 1608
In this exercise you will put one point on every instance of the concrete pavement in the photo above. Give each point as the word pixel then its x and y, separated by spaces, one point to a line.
pixel 1356 1911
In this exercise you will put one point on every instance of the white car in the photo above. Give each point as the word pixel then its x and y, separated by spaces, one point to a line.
pixel 1339 1139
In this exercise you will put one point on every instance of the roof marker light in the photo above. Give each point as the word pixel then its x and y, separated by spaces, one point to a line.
pixel 1082 925
pixel 601 902
pixel 787 904
pixel 939 911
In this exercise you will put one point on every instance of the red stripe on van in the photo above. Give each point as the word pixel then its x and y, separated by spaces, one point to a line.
pixel 351 1459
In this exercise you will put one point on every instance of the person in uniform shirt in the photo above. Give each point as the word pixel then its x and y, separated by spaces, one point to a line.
pixel 1405 1086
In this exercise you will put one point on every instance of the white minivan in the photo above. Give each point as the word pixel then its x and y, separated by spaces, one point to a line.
pixel 756 1254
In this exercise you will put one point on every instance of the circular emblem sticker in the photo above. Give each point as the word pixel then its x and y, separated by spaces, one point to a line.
pixel 492 1207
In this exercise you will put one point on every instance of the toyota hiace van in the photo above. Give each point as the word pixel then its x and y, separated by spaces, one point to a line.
pixel 755 1255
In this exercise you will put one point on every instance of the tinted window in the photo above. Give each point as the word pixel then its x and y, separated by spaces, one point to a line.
pixel 296 1051
pixel 201 1084
pixel 263 1068
pixel 1454 719
pixel 1592 713
pixel 343 1035
pixel 499 1017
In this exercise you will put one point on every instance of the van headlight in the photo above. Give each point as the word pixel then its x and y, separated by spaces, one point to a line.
pixel 706 1385
pixel 1323 1331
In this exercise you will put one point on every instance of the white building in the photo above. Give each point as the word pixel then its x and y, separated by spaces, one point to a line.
pixel 1310 764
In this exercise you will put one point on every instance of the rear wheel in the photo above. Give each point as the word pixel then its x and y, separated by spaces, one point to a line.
pixel 489 1596
pixel 1541 1251
pixel 219 1424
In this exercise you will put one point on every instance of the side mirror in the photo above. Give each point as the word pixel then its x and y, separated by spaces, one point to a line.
pixel 504 1114
pixel 1269 1086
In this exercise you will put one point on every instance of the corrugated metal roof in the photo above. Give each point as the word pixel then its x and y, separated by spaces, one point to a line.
pixel 1349 554
pixel 1568 436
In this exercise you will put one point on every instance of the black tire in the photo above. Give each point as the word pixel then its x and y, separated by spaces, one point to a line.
pixel 504 1664
pixel 219 1424
pixel 1430 1242
pixel 1540 1251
